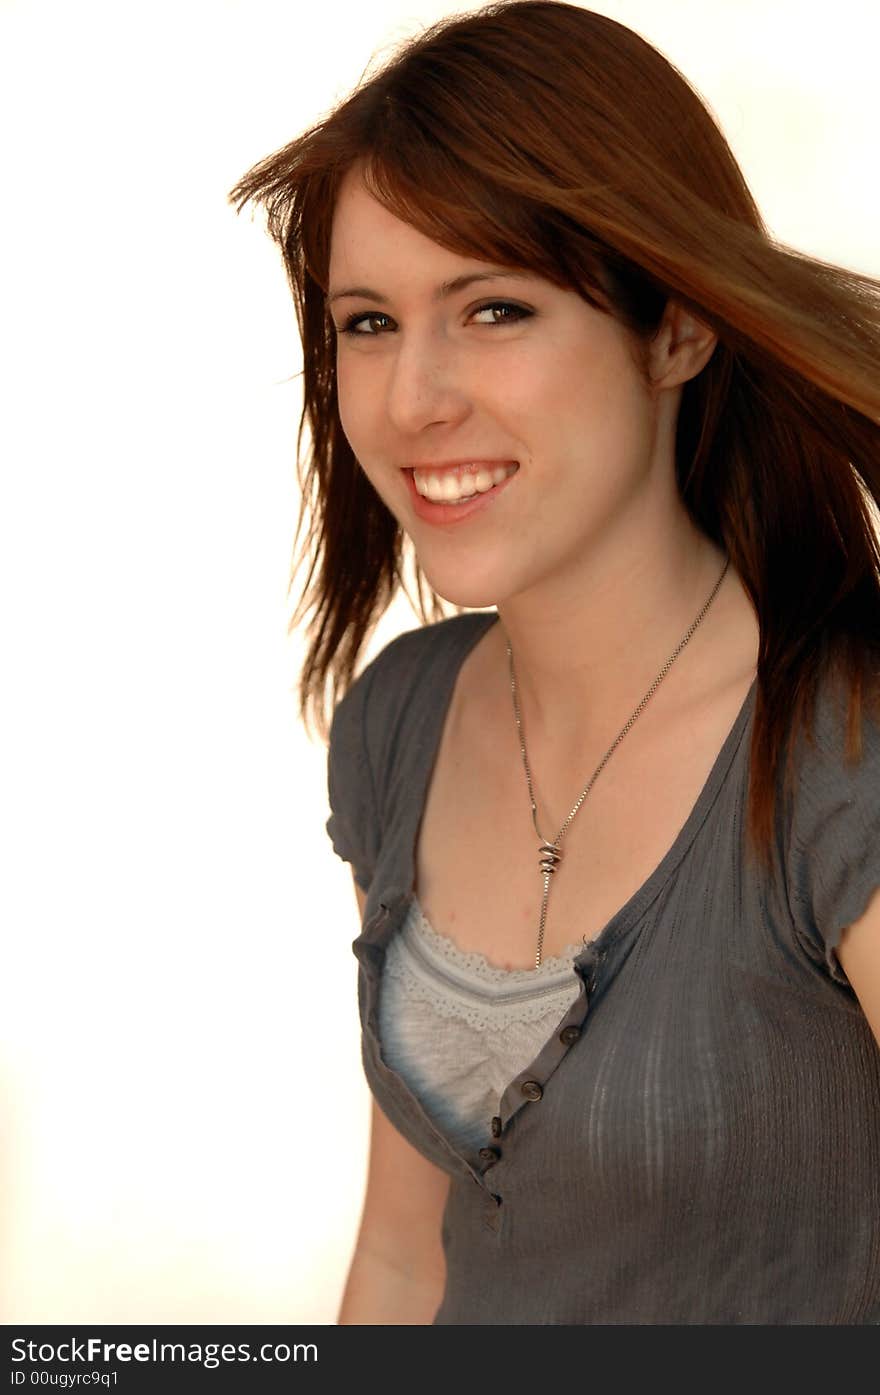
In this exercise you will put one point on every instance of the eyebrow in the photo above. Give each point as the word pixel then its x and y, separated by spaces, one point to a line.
pixel 443 291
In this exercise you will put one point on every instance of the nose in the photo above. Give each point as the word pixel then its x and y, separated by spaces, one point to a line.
pixel 426 384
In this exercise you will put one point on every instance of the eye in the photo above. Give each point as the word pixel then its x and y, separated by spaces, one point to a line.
pixel 357 325
pixel 516 312
pixel 352 325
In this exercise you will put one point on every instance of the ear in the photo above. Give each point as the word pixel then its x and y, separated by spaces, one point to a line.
pixel 681 347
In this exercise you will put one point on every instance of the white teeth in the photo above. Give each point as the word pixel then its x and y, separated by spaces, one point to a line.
pixel 449 488
pixel 450 485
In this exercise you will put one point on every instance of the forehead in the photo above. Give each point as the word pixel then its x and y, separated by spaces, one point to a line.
pixel 366 236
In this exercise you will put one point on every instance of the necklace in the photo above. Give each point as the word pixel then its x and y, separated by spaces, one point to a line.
pixel 550 853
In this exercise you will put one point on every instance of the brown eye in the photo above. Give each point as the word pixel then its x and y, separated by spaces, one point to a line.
pixel 352 325
pixel 515 312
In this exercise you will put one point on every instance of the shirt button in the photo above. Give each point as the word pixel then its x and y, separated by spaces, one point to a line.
pixel 496 1126
pixel 531 1089
pixel 490 1155
pixel 569 1035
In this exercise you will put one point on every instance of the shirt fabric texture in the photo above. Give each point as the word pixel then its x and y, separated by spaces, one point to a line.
pixel 697 1141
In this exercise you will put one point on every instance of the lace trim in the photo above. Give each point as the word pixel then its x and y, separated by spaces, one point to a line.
pixel 559 965
pixel 497 1016
pixel 426 967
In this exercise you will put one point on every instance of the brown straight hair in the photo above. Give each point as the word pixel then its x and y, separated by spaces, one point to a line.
pixel 545 136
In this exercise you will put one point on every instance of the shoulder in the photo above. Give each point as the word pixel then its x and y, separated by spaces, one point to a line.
pixel 836 758
pixel 833 828
pixel 383 728
pixel 404 682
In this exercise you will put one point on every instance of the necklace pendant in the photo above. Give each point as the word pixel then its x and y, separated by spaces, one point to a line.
pixel 551 856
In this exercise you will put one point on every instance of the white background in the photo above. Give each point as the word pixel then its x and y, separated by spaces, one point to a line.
pixel 181 1101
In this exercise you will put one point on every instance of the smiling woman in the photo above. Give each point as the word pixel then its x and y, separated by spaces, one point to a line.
pixel 614 823
pixel 535 407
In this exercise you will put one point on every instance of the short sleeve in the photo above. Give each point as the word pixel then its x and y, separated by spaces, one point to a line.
pixel 833 854
pixel 352 826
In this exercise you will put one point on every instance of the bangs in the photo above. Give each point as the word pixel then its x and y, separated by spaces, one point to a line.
pixel 452 201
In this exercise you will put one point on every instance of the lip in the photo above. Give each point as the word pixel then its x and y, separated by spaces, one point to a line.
pixel 445 515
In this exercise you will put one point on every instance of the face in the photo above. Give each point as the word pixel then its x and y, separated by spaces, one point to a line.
pixel 503 375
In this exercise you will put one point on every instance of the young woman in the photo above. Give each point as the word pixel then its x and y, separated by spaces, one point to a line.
pixel 614 823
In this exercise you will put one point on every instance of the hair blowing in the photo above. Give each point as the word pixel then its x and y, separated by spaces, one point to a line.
pixel 545 136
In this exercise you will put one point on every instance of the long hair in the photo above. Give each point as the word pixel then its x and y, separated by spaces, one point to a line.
pixel 545 136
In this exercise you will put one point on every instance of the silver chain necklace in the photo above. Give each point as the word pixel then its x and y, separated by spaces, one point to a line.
pixel 550 853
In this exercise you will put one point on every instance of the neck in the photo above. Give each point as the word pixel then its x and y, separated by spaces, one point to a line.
pixel 584 661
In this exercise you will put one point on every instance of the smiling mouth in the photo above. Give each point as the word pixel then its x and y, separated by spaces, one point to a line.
pixel 453 486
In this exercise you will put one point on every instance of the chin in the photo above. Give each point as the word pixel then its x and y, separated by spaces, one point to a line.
pixel 471 594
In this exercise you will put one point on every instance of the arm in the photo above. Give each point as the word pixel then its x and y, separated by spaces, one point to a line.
pixel 859 955
pixel 397 1273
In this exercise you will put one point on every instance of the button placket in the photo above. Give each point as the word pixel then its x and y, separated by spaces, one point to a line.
pixel 529 1091
pixel 371 953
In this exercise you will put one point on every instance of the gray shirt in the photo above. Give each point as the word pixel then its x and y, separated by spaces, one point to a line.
pixel 698 1140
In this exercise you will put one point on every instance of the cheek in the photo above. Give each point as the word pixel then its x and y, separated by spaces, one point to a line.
pixel 361 420
pixel 585 398
pixel 360 417
pixel 557 403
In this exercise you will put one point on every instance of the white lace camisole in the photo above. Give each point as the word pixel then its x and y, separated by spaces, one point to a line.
pixel 458 1029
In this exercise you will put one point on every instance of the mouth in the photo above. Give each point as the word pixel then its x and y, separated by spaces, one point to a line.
pixel 452 484
pixel 451 492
